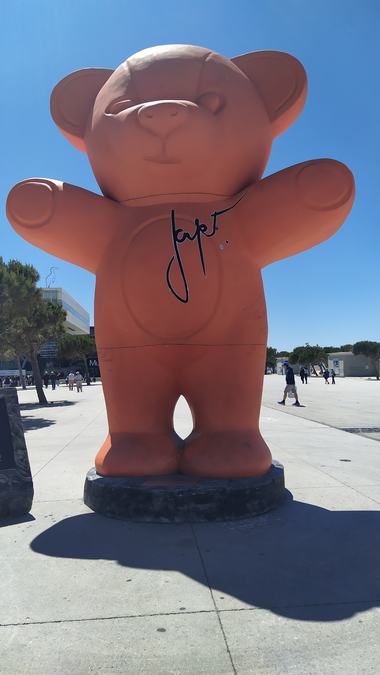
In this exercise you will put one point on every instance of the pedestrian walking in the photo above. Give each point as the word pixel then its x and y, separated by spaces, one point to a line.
pixel 78 380
pixel 306 373
pixel 332 375
pixel 326 375
pixel 53 379
pixel 302 374
pixel 71 380
pixel 45 378
pixel 290 387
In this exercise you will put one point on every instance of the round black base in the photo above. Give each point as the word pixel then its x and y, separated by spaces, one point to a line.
pixel 183 499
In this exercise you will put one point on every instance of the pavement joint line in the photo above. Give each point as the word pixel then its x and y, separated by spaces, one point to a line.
pixel 107 618
pixel 191 612
pixel 213 599
pixel 350 487
pixel 327 487
pixel 372 499
pixel 68 443
pixel 53 501
pixel 326 473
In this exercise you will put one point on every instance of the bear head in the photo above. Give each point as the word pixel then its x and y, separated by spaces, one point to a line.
pixel 179 120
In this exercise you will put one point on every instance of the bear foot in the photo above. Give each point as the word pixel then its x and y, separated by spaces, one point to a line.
pixel 134 454
pixel 225 454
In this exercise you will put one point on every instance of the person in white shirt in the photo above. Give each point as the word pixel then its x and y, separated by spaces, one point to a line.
pixel 71 380
pixel 78 380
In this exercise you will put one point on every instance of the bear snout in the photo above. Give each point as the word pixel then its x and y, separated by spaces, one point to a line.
pixel 163 117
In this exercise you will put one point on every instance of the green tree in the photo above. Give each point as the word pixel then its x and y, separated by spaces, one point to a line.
pixel 308 355
pixel 27 321
pixel 271 358
pixel 74 347
pixel 369 349
pixel 331 350
pixel 346 348
pixel 17 288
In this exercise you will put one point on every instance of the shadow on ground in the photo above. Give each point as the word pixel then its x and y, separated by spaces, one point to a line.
pixel 16 520
pixel 52 404
pixel 31 423
pixel 295 561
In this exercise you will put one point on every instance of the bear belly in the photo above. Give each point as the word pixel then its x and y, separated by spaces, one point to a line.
pixel 172 283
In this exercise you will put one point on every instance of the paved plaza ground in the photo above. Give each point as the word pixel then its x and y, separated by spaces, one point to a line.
pixel 294 591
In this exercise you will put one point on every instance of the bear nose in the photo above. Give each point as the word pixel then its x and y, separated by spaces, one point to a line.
pixel 162 117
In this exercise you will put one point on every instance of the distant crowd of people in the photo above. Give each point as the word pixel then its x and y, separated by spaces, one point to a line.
pixel 15 380
pixel 53 378
pixel 327 374
pixel 72 379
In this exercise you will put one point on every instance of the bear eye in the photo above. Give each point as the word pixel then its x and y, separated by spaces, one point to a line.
pixel 118 106
pixel 212 101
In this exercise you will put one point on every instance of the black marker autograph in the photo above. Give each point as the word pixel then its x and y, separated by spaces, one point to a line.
pixel 179 235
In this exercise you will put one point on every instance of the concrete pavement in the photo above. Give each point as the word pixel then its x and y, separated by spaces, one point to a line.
pixel 351 403
pixel 294 591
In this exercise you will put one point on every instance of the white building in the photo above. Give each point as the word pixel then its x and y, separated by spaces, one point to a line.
pixel 77 318
pixel 346 364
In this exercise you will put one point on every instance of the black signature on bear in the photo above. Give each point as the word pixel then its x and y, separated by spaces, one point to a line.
pixel 179 236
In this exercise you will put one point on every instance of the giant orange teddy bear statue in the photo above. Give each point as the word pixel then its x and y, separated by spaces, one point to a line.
pixel 178 138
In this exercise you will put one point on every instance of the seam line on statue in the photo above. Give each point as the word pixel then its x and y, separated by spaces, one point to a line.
pixel 176 194
pixel 187 344
pixel 200 71
pixel 199 611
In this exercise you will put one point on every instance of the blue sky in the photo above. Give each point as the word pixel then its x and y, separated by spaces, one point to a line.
pixel 328 295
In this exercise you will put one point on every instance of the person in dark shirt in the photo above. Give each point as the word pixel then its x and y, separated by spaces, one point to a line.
pixel 290 388
pixel 53 379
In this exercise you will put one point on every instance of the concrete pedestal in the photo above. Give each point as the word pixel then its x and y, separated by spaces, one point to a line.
pixel 179 499
pixel 16 485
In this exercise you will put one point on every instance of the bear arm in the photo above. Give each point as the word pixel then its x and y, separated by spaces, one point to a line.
pixel 297 208
pixel 62 219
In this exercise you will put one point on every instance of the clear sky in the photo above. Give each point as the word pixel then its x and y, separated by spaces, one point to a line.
pixel 328 295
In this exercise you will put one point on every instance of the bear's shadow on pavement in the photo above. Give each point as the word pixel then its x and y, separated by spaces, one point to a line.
pixel 299 561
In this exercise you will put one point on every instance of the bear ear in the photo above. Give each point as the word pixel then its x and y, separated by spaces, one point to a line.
pixel 72 100
pixel 281 82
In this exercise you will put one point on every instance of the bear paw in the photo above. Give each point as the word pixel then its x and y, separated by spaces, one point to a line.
pixel 31 203
pixel 324 184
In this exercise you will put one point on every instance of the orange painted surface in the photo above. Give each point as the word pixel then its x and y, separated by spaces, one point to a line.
pixel 178 138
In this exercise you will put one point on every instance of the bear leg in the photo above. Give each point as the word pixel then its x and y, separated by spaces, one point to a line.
pixel 140 397
pixel 223 388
